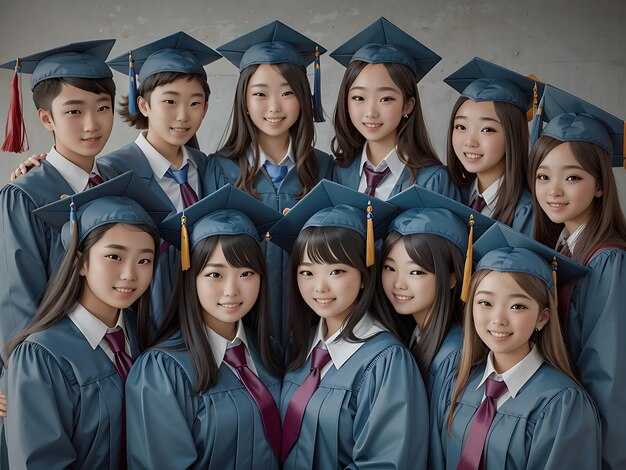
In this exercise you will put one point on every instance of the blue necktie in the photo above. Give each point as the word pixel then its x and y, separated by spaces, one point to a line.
pixel 186 191
pixel 276 173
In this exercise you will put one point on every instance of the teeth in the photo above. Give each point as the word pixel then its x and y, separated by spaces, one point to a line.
pixel 180 129
pixel 274 120
pixel 473 156
pixel 230 305
pixel 124 290
pixel 402 297
pixel 499 334
pixel 371 125
pixel 557 204
pixel 324 301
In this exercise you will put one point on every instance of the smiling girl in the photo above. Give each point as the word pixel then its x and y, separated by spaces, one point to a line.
pixel 381 143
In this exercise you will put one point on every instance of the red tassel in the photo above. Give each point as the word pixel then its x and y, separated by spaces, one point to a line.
pixel 15 139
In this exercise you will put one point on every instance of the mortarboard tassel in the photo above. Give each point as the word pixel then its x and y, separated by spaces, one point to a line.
pixel 73 220
pixel 531 112
pixel 132 86
pixel 536 124
pixel 369 241
pixel 15 139
pixel 185 262
pixel 467 271
pixel 318 112
pixel 554 268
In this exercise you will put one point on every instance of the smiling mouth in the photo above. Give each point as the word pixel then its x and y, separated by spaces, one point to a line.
pixel 180 129
pixel 499 334
pixel 402 298
pixel 473 156
pixel 90 139
pixel 232 305
pixel 274 120
pixel 557 204
pixel 124 290
pixel 372 125
pixel 324 301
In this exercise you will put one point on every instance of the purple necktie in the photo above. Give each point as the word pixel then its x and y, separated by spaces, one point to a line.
pixel 94 179
pixel 299 400
pixel 565 251
pixel 373 178
pixel 123 363
pixel 186 191
pixel 473 450
pixel 479 204
pixel 236 357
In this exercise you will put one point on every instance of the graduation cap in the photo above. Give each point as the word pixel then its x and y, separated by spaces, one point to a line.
pixel 506 250
pixel 277 43
pixel 571 119
pixel 383 42
pixel 123 199
pixel 227 211
pixel 78 59
pixel 330 204
pixel 178 52
pixel 480 80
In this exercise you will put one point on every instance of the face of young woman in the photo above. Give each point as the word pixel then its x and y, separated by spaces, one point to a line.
pixel 376 106
pixel 479 142
pixel 118 270
pixel 225 293
pixel 410 289
pixel 505 317
pixel 564 189
pixel 272 104
pixel 331 290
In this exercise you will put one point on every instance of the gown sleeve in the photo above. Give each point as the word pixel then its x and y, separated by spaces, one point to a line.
pixel 441 182
pixel 567 433
pixel 391 421
pixel 160 413
pixel 523 219
pixel 40 417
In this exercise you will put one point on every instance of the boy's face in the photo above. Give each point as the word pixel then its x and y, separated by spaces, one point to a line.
pixel 81 122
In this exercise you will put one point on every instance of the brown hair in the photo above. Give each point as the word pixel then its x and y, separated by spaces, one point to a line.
pixel 515 181
pixel 243 132
pixel 47 90
pixel 412 141
pixel 549 341
pixel 607 223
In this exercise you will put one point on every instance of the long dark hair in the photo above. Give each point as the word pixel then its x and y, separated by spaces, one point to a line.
pixel 607 223
pixel 185 311
pixel 515 180
pixel 412 141
pixel 440 257
pixel 147 86
pixel 66 286
pixel 243 132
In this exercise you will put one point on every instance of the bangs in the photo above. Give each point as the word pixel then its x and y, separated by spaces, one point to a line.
pixel 243 251
pixel 330 245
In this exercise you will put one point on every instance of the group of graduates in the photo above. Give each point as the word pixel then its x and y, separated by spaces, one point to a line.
pixel 272 306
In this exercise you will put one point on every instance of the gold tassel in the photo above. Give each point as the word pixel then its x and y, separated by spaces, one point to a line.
pixel 467 272
pixel 184 245
pixel 554 268
pixel 369 242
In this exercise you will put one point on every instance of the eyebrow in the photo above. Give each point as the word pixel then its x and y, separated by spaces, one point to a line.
pixel 264 85
pixel 482 118
pixel 568 167
pixel 102 99
pixel 382 88
pixel 124 248
pixel 176 93
pixel 486 292
pixel 214 265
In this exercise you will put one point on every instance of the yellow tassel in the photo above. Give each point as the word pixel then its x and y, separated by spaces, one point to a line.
pixel 369 242
pixel 554 268
pixel 184 245
pixel 467 272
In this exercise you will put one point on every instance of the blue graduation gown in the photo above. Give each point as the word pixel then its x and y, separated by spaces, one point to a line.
pixel 130 157
pixel 595 331
pixel 371 413
pixel 167 426
pixel 277 259
pixel 433 177
pixel 551 423
pixel 65 401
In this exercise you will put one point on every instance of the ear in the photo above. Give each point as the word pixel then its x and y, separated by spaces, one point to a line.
pixel 598 192
pixel 408 106
pixel 543 318
pixel 83 268
pixel 45 117
pixel 452 280
pixel 143 105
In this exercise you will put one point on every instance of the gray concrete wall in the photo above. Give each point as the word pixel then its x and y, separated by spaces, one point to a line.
pixel 577 45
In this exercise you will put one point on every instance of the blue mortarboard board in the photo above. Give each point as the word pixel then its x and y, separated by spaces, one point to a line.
pixel 506 250
pixel 423 211
pixel 383 42
pixel 78 59
pixel 570 119
pixel 480 80
pixel 123 199
pixel 330 204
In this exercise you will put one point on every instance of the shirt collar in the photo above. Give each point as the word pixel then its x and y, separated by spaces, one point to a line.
pixel 416 336
pixel 519 374
pixel 75 176
pixel 287 160
pixel 392 160
pixel 565 237
pixel 158 163
pixel 339 349
pixel 219 344
pixel 92 327
pixel 489 194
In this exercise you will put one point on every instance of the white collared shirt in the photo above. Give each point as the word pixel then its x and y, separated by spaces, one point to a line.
pixel 219 345
pixel 391 161
pixel 339 349
pixel 565 237
pixel 490 195
pixel 75 176
pixel 94 329
pixel 416 336
pixel 159 165
pixel 516 376
pixel 288 160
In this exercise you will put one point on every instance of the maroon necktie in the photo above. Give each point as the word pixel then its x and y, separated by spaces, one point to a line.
pixel 94 179
pixel 373 178
pixel 299 400
pixel 236 357
pixel 186 191
pixel 479 204
pixel 123 363
pixel 473 450
pixel 565 251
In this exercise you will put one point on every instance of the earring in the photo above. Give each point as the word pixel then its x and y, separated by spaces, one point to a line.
pixel 406 116
pixel 538 329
